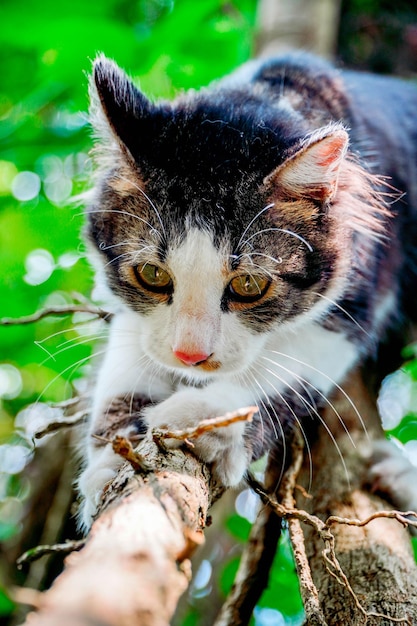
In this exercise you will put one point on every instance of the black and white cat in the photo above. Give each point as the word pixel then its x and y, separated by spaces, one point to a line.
pixel 254 249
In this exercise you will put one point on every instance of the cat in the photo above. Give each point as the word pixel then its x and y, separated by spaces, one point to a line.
pixel 255 248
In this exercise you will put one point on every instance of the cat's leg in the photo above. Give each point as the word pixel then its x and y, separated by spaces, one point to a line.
pixel 392 473
pixel 125 383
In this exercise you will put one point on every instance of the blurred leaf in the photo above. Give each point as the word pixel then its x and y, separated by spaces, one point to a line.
pixel 239 527
pixel 283 591
pixel 7 606
pixel 228 575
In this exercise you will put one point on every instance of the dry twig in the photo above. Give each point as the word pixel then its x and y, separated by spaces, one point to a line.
pixel 65 422
pixel 308 589
pixel 333 567
pixel 59 310
pixel 58 548
pixel 204 426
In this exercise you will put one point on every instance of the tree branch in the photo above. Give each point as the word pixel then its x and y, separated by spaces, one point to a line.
pixel 153 514
pixel 368 573
pixel 59 310
pixel 148 527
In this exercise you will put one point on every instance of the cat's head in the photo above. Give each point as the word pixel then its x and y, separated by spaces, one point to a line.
pixel 218 218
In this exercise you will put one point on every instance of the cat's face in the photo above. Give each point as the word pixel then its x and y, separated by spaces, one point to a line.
pixel 207 297
pixel 215 235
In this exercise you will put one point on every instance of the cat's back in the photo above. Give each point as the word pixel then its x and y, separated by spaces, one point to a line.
pixel 380 112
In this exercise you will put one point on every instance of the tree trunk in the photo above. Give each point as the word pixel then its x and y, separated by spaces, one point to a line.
pixel 297 24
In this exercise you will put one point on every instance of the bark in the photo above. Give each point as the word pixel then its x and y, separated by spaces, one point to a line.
pixel 297 24
pixel 135 564
pixel 377 558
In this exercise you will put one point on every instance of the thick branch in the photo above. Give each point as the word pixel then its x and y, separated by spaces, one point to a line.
pixel 374 579
pixel 151 522
pixel 135 564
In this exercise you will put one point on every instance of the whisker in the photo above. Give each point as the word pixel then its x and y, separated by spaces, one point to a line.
pixel 129 214
pixel 115 245
pixel 279 260
pixel 338 306
pixel 145 195
pixel 267 410
pixel 322 421
pixel 119 256
pixel 268 206
pixel 72 328
pixel 334 383
pixel 74 343
pixel 263 269
pixel 281 230
pixel 296 419
pixel 74 366
pixel 322 395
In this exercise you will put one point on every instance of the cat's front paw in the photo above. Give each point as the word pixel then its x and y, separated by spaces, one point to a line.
pixel 91 483
pixel 224 448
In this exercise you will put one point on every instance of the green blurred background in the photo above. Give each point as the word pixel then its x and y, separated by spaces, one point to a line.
pixel 167 46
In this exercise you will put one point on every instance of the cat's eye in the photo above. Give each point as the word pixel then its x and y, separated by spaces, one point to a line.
pixel 248 287
pixel 153 277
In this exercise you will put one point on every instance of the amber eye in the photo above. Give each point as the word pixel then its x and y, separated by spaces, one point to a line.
pixel 153 277
pixel 248 288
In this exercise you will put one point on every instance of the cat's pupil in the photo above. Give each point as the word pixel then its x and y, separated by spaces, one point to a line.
pixel 248 284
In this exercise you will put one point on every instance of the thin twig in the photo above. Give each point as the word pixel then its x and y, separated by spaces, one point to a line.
pixel 26 595
pixel 59 548
pixel 61 310
pixel 67 404
pixel 123 447
pixel 65 422
pixel 308 589
pixel 257 556
pixel 241 415
pixel 400 516
pixel 329 551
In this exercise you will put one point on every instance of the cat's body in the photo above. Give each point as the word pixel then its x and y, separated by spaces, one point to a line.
pixel 255 255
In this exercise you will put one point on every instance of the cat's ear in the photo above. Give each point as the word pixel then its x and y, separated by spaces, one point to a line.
pixel 117 108
pixel 313 170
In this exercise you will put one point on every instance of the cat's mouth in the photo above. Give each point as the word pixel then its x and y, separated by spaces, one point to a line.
pixel 210 365
pixel 201 361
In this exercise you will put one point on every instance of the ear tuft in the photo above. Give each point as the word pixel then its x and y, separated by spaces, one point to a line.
pixel 313 171
pixel 116 103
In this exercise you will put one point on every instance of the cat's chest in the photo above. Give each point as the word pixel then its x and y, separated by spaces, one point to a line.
pixel 310 357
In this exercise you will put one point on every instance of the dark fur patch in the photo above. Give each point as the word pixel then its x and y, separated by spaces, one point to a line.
pixel 206 159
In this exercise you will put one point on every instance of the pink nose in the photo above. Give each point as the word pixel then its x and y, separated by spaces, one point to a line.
pixel 191 359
